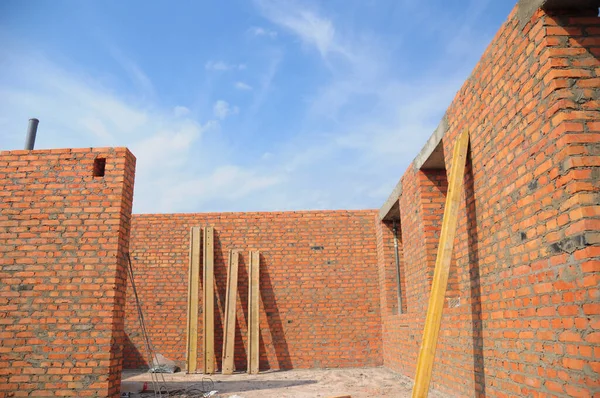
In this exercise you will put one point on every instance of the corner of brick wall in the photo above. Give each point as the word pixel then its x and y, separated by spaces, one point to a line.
pixel 524 315
pixel 63 241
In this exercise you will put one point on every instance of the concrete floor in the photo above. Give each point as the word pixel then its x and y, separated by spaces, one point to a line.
pixel 324 383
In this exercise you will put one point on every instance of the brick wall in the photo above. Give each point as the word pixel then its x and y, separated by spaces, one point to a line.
pixel 522 313
pixel 63 239
pixel 318 282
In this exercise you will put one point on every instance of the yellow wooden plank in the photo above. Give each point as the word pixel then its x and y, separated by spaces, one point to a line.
pixel 253 312
pixel 192 304
pixel 209 301
pixel 230 312
pixel 442 268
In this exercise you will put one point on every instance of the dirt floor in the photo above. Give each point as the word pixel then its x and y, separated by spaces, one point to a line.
pixel 324 383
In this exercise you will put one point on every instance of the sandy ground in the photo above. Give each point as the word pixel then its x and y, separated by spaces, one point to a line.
pixel 324 383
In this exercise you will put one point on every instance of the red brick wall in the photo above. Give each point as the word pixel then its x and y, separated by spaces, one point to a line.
pixel 63 238
pixel 319 287
pixel 522 316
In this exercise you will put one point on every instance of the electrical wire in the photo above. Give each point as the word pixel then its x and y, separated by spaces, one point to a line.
pixel 159 384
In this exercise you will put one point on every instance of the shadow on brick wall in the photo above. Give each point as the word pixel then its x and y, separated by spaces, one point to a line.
pixel 583 32
pixel 221 259
pixel 240 355
pixel 274 320
pixel 135 359
pixel 269 303
pixel 475 279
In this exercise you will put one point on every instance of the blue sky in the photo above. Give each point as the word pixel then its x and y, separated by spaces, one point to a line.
pixel 242 105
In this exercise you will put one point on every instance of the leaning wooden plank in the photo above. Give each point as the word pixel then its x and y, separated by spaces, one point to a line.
pixel 230 310
pixel 192 301
pixel 442 268
pixel 253 312
pixel 209 302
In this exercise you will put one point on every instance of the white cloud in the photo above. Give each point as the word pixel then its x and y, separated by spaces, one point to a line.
pixel 223 66
pixel 75 111
pixel 227 183
pixel 307 24
pixel 258 31
pixel 242 86
pixel 180 111
pixel 96 126
pixel 222 109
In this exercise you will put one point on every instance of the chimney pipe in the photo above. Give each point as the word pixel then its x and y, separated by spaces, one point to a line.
pixel 31 132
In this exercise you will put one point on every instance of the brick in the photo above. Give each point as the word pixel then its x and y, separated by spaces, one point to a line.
pixel 38 315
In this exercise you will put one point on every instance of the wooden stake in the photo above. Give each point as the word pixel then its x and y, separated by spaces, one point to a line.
pixel 192 301
pixel 230 310
pixel 209 302
pixel 253 313
pixel 442 268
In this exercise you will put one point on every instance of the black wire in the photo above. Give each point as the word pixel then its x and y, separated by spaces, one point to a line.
pixel 205 386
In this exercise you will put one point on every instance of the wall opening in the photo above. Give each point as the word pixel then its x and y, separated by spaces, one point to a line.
pixel 99 167
pixel 399 267
pixel 394 272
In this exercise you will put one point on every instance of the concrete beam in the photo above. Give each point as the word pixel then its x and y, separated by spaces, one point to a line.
pixel 528 7
pixel 391 208
pixel 430 157
pixel 432 154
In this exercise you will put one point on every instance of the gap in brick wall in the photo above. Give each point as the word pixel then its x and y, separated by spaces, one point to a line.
pixel 99 167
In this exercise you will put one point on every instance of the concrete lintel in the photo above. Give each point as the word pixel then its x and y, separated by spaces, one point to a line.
pixel 429 155
pixel 528 7
pixel 391 209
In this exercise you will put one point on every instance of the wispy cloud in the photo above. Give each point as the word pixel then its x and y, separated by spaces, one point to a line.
pixel 265 83
pixel 258 31
pixel 376 120
pixel 242 86
pixel 307 24
pixel 222 109
pixel 137 75
pixel 223 66
pixel 360 123
pixel 169 144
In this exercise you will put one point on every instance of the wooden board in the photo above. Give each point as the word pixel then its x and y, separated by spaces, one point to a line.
pixel 209 301
pixel 442 268
pixel 230 312
pixel 253 311
pixel 192 301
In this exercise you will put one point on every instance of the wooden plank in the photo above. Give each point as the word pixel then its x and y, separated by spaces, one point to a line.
pixel 192 301
pixel 253 312
pixel 209 301
pixel 442 268
pixel 230 312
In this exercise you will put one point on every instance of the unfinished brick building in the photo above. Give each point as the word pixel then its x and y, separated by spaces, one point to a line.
pixel 522 308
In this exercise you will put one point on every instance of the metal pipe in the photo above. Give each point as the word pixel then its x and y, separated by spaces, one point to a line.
pixel 31 132
pixel 397 267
